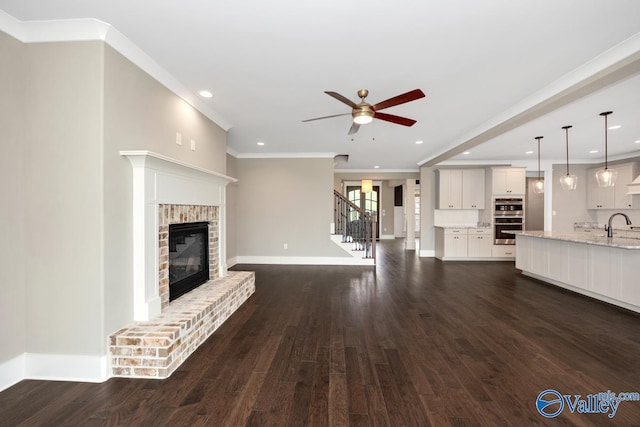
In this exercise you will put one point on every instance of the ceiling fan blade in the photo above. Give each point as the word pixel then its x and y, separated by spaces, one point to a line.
pixel 327 117
pixel 400 99
pixel 394 119
pixel 341 98
pixel 354 128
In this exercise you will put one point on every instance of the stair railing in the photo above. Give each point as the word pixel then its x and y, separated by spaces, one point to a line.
pixel 355 225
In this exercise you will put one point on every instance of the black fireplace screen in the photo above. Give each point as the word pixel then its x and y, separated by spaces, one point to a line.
pixel 188 257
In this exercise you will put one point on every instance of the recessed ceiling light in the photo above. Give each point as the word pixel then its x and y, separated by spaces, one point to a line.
pixel 615 127
pixel 260 143
pixel 376 167
pixel 205 94
pixel 637 142
pixel 593 151
pixel 466 152
pixel 419 142
pixel 529 152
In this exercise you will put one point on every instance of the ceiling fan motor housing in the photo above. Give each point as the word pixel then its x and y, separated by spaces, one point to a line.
pixel 363 114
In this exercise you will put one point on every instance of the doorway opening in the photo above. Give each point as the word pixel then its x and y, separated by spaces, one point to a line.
pixel 367 201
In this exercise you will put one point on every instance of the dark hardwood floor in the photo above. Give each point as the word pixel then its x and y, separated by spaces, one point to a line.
pixel 416 342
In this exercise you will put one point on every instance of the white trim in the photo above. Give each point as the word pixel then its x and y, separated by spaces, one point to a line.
pixel 300 260
pixel 12 371
pixel 285 155
pixel 140 157
pixel 157 180
pixel 597 68
pixel 54 367
pixel 232 152
pixel 94 29
pixel 376 171
pixel 231 262
pixel 66 367
pixel 387 237
pixel 427 253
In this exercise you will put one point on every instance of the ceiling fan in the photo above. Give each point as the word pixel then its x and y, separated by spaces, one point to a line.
pixel 364 113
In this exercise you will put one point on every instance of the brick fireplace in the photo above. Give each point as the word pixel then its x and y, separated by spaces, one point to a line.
pixel 164 333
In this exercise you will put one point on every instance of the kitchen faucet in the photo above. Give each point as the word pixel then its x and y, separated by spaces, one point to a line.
pixel 608 229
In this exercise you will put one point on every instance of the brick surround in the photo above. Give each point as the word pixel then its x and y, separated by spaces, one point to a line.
pixel 178 214
pixel 154 349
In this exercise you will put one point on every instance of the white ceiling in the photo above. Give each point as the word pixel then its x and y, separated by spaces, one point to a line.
pixel 268 63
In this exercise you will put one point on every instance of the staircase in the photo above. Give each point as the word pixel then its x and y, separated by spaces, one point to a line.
pixel 355 229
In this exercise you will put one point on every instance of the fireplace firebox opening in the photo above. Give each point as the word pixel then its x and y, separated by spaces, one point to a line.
pixel 188 257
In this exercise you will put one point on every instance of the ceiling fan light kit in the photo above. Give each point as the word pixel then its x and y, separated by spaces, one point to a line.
pixel 568 181
pixel 364 113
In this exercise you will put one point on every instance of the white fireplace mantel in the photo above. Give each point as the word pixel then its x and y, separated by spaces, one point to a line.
pixel 157 180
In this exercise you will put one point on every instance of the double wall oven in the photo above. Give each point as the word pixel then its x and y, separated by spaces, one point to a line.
pixel 508 215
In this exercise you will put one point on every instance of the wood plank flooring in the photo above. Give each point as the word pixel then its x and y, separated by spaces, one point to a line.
pixel 415 342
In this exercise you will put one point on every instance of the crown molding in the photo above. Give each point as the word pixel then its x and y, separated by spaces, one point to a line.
pixel 284 155
pixel 70 30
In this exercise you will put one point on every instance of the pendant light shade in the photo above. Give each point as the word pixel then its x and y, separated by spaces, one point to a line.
pixel 606 177
pixel 367 186
pixel 568 181
pixel 538 187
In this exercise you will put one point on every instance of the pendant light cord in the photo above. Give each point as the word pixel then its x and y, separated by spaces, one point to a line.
pixel 566 129
pixel 606 142
pixel 539 138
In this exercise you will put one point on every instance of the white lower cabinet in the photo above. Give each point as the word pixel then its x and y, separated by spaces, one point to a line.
pixel 603 272
pixel 479 243
pixel 463 243
pixel 455 244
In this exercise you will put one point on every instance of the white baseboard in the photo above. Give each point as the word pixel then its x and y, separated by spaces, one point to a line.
pixel 54 367
pixel 387 237
pixel 67 367
pixel 427 253
pixel 12 372
pixel 232 261
pixel 303 260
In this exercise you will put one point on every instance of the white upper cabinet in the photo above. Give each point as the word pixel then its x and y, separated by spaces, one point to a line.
pixel 473 189
pixel 461 189
pixel 508 181
pixel 450 189
pixel 625 177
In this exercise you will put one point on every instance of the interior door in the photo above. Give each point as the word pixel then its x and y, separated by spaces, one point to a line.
pixel 367 201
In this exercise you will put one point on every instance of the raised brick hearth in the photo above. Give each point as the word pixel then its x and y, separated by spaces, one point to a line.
pixel 164 333
pixel 154 349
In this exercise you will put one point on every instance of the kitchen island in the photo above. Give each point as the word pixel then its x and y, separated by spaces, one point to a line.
pixel 592 264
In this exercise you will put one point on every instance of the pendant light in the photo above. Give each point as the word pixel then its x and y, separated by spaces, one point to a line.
pixel 538 187
pixel 606 177
pixel 568 181
pixel 367 186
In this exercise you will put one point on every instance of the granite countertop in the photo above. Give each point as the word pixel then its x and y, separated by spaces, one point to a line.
pixel 599 239
pixel 479 225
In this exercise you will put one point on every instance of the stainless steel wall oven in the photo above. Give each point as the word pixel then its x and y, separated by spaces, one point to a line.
pixel 508 215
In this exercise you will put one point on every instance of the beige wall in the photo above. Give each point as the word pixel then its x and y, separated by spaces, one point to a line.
pixel 63 192
pixel 12 251
pixel 69 108
pixel 141 114
pixel 427 207
pixel 570 206
pixel 232 210
pixel 285 201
